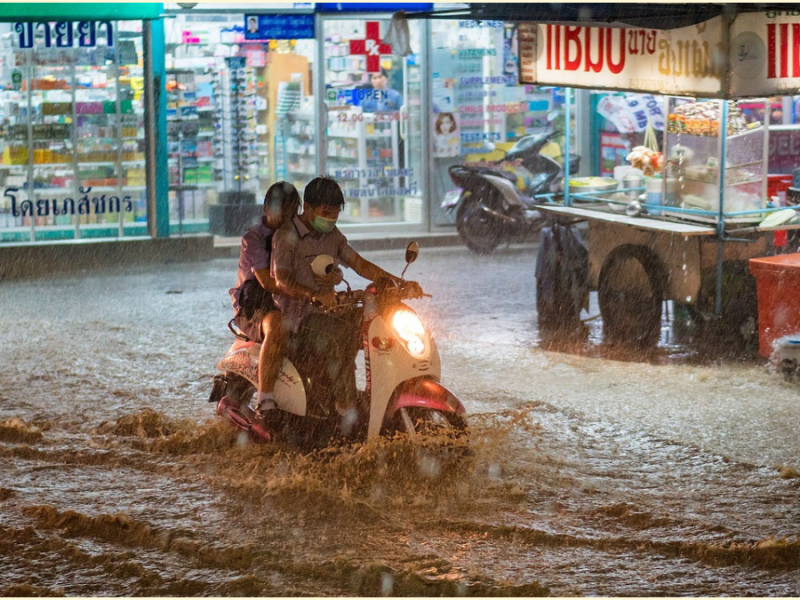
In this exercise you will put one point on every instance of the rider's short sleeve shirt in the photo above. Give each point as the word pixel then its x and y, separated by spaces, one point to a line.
pixel 294 247
pixel 253 256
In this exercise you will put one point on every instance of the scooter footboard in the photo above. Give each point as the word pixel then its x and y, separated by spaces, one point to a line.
pixel 425 393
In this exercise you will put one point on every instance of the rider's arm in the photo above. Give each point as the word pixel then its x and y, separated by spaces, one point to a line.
pixel 284 246
pixel 288 285
pixel 368 270
pixel 266 281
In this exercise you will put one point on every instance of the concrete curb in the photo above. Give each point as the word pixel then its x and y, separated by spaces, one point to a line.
pixel 40 259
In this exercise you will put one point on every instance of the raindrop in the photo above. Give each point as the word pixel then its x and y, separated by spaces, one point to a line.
pixel 461 589
pixel 387 584
pixel 241 439
pixel 494 471
pixel 429 467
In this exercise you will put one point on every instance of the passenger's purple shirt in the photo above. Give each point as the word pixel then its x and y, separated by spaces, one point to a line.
pixel 254 255
pixel 293 249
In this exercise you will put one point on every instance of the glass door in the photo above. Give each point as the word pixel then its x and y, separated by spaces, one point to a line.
pixel 373 99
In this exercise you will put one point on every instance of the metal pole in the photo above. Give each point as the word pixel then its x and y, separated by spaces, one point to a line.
pixel 567 100
pixel 723 143
pixel 321 113
pixel 149 128
pixel 426 93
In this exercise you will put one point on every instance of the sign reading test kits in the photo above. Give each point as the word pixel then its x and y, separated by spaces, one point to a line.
pixel 279 27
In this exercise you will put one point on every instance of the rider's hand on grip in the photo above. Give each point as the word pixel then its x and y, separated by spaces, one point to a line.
pixel 326 300
pixel 412 289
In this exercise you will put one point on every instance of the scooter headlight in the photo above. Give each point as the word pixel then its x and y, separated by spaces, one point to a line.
pixel 411 331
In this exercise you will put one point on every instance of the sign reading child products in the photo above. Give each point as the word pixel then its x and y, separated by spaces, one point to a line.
pixel 763 57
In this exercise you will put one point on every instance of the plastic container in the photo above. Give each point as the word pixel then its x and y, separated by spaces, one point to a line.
pixel 654 198
pixel 778 288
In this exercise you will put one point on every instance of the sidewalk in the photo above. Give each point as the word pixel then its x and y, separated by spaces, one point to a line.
pixel 228 247
pixel 31 260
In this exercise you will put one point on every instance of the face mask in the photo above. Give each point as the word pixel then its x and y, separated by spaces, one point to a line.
pixel 323 225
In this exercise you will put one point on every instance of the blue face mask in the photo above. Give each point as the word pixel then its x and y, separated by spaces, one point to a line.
pixel 323 225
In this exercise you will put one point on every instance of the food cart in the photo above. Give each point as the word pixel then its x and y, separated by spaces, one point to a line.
pixel 688 235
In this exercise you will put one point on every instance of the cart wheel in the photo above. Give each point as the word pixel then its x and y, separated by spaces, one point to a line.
pixel 559 315
pixel 630 294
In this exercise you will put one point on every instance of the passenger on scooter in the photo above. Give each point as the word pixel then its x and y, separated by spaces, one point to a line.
pixel 338 334
pixel 255 312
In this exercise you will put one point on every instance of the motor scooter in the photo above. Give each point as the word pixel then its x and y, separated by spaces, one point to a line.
pixel 403 391
pixel 490 206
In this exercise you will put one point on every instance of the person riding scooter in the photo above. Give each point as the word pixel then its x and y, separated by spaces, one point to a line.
pixel 302 298
pixel 255 313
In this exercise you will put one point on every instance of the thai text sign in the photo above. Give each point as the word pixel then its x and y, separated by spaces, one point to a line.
pixel 757 55
pixel 63 34
pixel 679 61
pixel 765 54
pixel 279 27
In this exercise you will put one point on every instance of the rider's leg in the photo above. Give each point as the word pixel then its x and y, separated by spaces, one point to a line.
pixel 342 333
pixel 275 333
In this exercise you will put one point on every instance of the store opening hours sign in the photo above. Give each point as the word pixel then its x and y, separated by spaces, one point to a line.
pixel 762 58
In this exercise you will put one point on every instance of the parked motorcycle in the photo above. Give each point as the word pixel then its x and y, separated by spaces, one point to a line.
pixel 490 207
pixel 403 393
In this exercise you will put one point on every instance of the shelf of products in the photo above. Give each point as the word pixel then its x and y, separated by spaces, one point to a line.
pixel 72 137
pixel 364 155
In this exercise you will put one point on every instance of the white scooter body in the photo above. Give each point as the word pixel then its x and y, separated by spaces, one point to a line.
pixel 389 365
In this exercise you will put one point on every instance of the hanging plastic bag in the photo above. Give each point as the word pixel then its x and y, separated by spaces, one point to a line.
pixel 398 36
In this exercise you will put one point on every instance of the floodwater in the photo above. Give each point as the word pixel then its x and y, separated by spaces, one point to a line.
pixel 665 474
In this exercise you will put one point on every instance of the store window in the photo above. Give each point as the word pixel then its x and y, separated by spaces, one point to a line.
pixel 479 109
pixel 71 130
pixel 374 134
pixel 240 115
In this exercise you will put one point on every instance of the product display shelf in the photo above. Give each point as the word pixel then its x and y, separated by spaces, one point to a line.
pixel 359 152
pixel 194 148
pixel 60 110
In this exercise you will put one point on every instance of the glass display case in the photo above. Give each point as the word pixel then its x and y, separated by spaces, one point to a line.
pixel 695 180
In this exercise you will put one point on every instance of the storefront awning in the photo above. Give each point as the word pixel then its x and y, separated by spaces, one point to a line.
pixel 79 11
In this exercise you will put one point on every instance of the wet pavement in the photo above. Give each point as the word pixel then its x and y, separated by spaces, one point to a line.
pixel 591 472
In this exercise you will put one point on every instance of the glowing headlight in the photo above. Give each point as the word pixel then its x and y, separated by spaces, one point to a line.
pixel 411 331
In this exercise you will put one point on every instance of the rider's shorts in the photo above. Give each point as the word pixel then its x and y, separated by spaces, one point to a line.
pixel 255 304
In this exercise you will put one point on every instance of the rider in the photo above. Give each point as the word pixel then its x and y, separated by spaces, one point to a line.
pixel 255 312
pixel 295 245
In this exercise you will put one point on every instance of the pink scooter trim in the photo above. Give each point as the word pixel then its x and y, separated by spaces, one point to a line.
pixel 425 393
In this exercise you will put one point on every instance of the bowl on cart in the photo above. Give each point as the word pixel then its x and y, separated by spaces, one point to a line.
pixel 579 185
pixel 582 185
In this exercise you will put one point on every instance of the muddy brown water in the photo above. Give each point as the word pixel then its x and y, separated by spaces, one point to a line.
pixel 586 474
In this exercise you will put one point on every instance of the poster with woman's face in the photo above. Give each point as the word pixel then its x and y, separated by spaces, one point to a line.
pixel 446 137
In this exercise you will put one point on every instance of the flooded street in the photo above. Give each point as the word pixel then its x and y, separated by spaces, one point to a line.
pixel 665 474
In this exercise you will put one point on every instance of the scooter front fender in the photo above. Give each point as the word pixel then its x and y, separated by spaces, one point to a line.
pixel 424 393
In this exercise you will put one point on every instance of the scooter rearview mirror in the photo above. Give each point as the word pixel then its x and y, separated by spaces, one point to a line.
pixel 412 252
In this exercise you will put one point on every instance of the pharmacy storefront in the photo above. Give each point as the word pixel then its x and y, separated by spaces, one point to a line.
pixel 163 120
pixel 256 96
pixel 72 121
